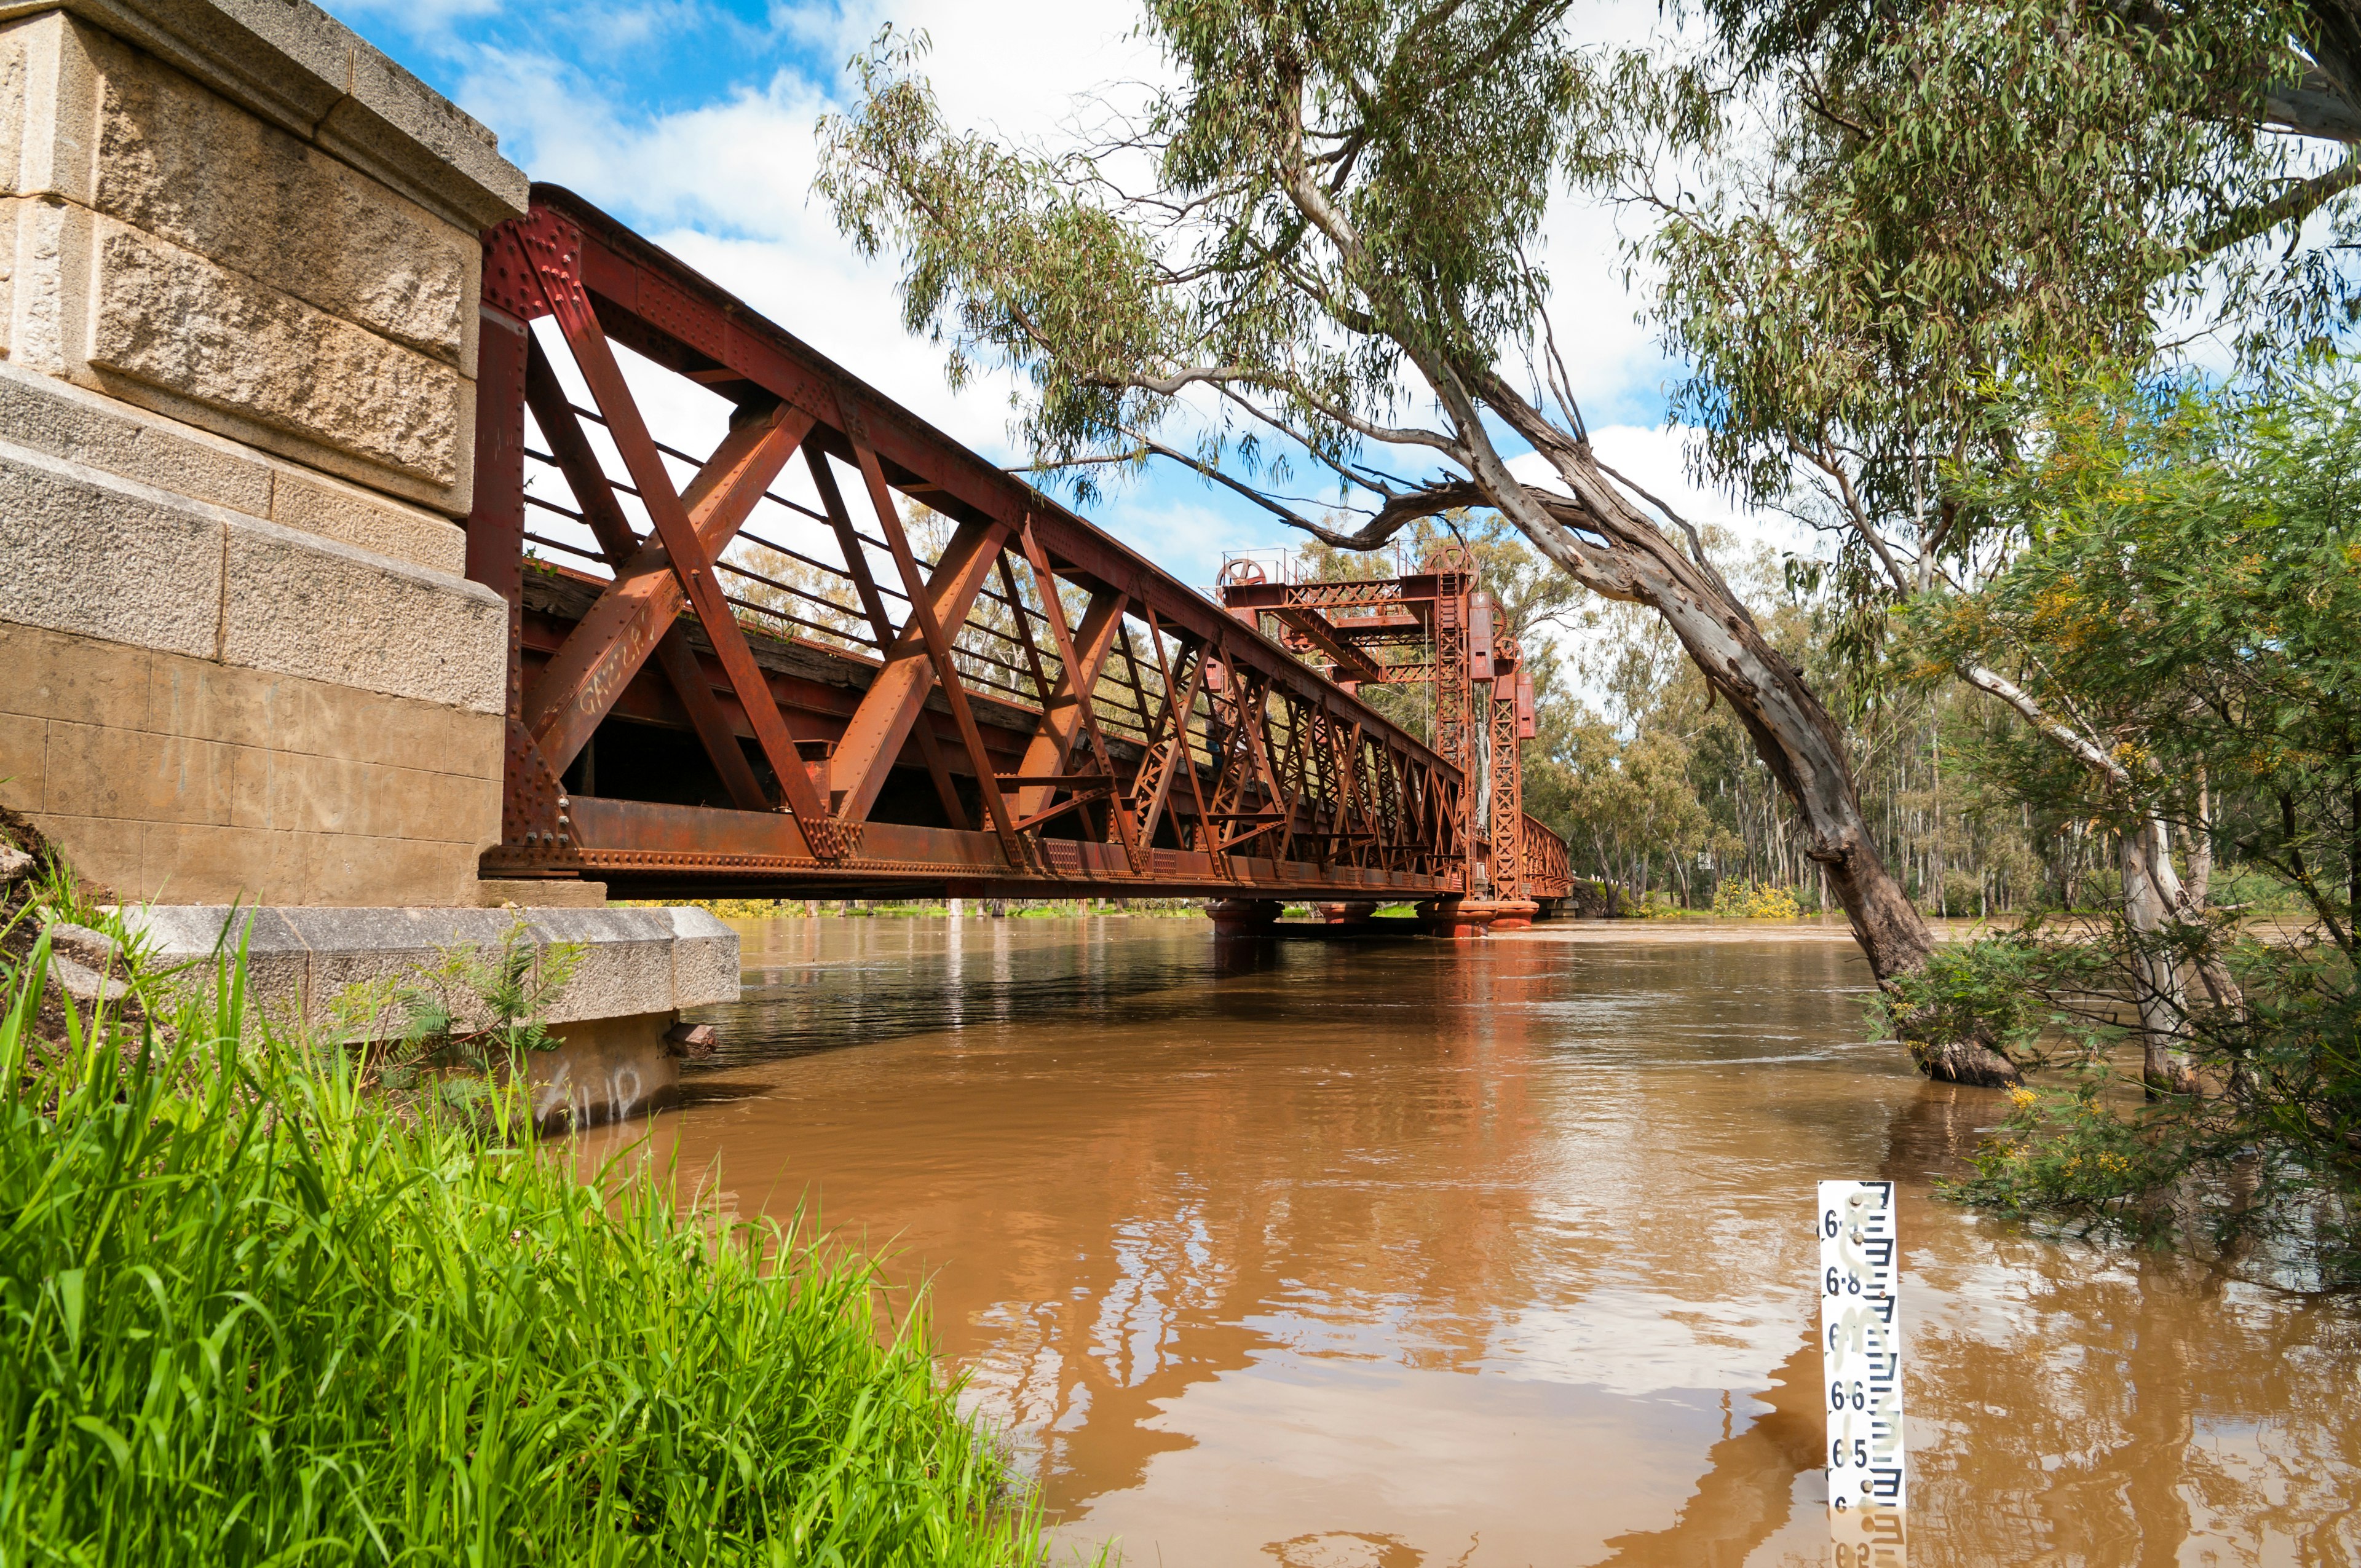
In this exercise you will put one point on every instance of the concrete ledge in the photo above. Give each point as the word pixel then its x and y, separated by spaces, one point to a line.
pixel 634 961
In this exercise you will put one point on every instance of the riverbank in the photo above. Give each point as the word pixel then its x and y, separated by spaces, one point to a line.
pixel 254 1314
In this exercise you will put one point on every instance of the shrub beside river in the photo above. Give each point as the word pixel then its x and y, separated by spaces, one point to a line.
pixel 253 1314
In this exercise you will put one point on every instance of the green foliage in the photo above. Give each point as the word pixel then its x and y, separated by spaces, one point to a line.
pixel 1999 990
pixel 443 1035
pixel 2070 1154
pixel 2185 598
pixel 2181 619
pixel 1943 206
pixel 1343 199
pixel 2262 1164
pixel 251 1317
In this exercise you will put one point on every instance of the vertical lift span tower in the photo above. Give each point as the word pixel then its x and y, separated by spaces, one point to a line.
pixel 1435 627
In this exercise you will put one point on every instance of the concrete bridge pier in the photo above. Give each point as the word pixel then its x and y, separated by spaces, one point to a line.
pixel 1455 918
pixel 241 658
pixel 1515 913
pixel 1243 918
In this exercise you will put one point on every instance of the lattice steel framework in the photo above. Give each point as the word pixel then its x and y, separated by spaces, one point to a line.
pixel 840 655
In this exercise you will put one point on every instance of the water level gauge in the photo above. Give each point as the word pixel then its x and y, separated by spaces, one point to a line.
pixel 1861 1372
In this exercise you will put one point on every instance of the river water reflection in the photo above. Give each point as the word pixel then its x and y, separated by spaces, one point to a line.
pixel 1337 1256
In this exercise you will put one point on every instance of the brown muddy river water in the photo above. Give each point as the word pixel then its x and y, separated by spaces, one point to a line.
pixel 1371 1256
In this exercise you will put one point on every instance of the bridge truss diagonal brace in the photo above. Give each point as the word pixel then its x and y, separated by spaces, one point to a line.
pixel 930 629
pixel 881 624
pixel 589 671
pixel 1067 714
pixel 636 611
pixel 1167 752
pixel 579 462
pixel 918 657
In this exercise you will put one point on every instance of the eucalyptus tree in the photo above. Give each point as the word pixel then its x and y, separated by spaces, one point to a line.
pixel 1918 213
pixel 1329 268
pixel 2189 578
pixel 1949 211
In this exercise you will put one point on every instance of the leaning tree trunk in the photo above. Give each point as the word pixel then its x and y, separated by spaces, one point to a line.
pixel 2151 894
pixel 1797 740
pixel 1612 548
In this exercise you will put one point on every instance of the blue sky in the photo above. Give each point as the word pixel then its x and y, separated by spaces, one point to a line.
pixel 693 120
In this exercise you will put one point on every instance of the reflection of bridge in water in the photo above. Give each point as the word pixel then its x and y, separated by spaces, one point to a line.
pixel 721 681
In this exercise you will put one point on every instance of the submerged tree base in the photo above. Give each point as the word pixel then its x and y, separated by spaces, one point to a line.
pixel 1965 1061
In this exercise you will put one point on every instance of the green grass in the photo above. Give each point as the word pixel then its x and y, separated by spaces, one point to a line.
pixel 253 1316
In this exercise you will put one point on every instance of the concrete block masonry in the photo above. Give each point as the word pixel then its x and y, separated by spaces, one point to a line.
pixel 240 267
pixel 182 242
pixel 639 969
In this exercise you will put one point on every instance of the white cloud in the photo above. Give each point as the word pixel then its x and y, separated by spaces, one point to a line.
pixel 1186 539
pixel 1654 458
pixel 725 184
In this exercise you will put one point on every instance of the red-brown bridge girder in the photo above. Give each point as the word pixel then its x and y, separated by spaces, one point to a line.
pixel 1243 773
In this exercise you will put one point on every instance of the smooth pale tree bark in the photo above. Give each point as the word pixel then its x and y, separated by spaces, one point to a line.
pixel 2155 899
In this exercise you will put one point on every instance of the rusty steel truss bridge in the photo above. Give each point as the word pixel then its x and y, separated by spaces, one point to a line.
pixel 741 663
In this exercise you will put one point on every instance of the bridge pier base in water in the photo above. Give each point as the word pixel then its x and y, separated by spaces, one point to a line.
pixel 1234 917
pixel 1457 919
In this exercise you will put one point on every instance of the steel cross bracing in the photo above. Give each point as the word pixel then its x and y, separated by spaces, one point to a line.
pixel 827 651
pixel 1432 628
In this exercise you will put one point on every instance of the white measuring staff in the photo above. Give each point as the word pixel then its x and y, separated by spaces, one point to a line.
pixel 1860 1371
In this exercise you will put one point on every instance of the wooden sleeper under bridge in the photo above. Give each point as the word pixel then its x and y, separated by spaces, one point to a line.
pixel 736 668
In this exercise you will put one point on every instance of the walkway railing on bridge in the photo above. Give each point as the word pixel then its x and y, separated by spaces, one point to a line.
pixel 887 667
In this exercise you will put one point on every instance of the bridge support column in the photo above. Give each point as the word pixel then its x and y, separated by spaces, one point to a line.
pixel 1455 918
pixel 1358 912
pixel 240 320
pixel 1243 916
